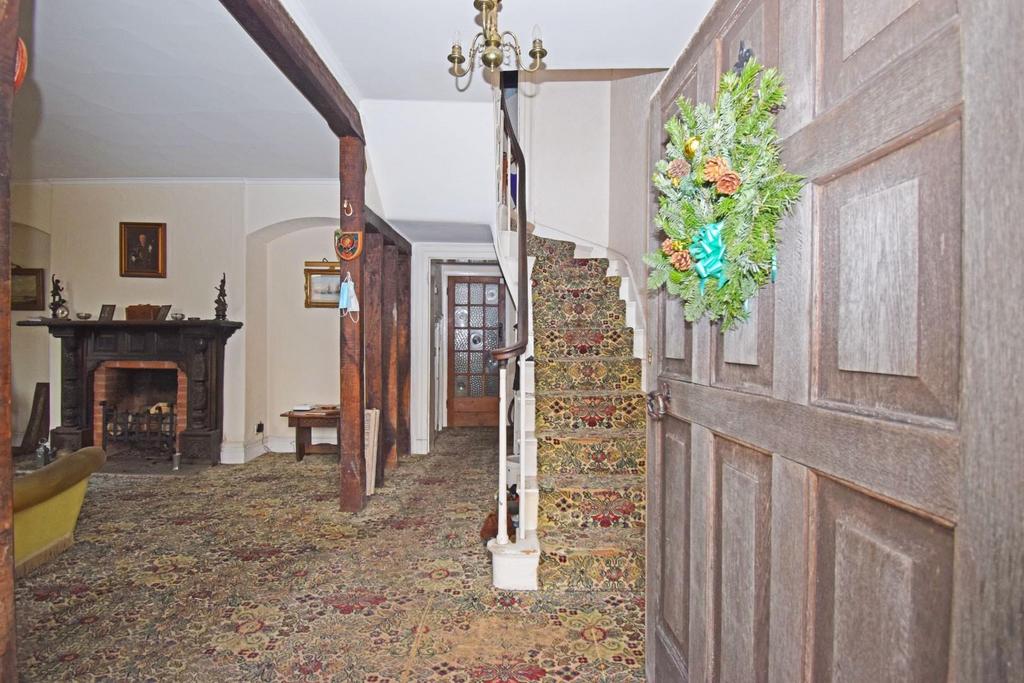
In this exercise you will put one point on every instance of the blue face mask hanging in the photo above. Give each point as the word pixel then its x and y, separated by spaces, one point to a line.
pixel 348 304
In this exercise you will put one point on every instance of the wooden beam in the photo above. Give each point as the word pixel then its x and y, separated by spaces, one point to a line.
pixel 375 223
pixel 370 301
pixel 389 340
pixel 403 274
pixel 351 438
pixel 273 29
pixel 8 38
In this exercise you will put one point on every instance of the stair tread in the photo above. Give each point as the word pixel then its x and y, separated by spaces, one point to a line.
pixel 594 541
pixel 589 393
pixel 589 436
pixel 591 482
pixel 584 359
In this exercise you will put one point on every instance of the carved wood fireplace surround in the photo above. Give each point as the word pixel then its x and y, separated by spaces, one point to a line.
pixel 194 347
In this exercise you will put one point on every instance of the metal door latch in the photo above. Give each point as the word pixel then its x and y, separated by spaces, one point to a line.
pixel 658 402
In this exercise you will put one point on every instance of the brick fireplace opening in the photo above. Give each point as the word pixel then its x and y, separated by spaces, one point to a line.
pixel 132 387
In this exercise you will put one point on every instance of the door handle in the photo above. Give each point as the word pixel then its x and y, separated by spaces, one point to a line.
pixel 658 402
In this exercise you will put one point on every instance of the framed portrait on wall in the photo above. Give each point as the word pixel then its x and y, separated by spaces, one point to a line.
pixel 323 284
pixel 143 250
pixel 28 291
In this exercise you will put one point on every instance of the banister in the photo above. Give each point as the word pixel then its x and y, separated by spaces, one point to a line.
pixel 507 353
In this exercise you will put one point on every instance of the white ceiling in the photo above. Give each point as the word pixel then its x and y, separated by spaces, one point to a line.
pixel 137 88
pixel 398 49
pixel 162 89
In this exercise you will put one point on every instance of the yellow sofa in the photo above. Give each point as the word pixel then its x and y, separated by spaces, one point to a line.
pixel 46 506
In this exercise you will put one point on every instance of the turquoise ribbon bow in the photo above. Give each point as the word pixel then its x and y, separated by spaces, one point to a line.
pixel 708 252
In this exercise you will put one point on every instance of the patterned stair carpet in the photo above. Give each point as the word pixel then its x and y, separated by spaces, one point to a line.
pixel 250 573
pixel 591 453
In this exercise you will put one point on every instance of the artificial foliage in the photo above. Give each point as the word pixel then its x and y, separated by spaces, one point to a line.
pixel 722 191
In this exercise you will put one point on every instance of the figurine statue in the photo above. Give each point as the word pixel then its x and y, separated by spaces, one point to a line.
pixel 221 302
pixel 57 302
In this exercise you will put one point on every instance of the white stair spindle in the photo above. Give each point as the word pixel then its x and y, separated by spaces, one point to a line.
pixel 502 537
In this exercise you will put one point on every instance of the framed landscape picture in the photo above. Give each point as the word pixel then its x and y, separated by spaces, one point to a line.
pixel 323 284
pixel 28 291
pixel 143 250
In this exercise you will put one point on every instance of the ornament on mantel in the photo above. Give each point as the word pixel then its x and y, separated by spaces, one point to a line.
pixel 221 302
pixel 58 304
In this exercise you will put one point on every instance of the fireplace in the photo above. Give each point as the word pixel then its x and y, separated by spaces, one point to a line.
pixel 100 361
pixel 139 405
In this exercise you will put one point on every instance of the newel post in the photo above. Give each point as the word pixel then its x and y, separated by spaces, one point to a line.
pixel 351 436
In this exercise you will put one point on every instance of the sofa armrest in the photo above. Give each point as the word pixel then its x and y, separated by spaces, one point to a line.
pixel 60 475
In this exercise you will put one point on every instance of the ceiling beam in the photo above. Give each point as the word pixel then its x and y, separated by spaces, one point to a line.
pixel 273 29
pixel 375 223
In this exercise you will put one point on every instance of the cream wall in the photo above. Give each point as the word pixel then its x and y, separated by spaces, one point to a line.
pixel 212 227
pixel 630 170
pixel 30 248
pixel 302 343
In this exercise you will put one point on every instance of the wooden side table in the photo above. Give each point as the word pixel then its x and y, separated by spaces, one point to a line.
pixel 303 421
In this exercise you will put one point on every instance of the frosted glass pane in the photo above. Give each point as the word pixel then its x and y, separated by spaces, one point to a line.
pixel 476 362
pixel 491 315
pixel 461 386
pixel 461 316
pixel 462 293
pixel 461 340
pixel 476 293
pixel 491 294
pixel 476 386
pixel 491 339
pixel 491 385
pixel 462 362
pixel 476 316
pixel 476 340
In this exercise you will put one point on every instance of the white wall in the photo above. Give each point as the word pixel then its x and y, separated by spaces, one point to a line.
pixel 30 248
pixel 630 169
pixel 565 131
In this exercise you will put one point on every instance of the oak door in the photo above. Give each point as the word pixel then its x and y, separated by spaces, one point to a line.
pixel 805 475
pixel 476 321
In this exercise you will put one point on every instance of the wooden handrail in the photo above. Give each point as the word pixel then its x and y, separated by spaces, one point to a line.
pixel 507 353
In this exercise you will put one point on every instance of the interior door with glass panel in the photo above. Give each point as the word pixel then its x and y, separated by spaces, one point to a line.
pixel 476 314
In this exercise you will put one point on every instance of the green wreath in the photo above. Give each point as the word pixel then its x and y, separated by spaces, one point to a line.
pixel 722 194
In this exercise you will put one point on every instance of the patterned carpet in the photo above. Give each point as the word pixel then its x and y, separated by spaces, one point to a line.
pixel 591 426
pixel 249 573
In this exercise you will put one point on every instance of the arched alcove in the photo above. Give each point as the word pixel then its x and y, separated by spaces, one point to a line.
pixel 291 351
pixel 30 348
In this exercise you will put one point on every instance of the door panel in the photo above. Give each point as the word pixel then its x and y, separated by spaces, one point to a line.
pixel 476 315
pixel 821 440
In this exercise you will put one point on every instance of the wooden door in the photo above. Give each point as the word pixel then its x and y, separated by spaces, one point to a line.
pixel 476 321
pixel 806 518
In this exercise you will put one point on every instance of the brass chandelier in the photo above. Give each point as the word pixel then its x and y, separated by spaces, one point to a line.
pixel 494 46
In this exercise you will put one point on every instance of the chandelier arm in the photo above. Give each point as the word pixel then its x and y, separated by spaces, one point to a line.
pixel 473 50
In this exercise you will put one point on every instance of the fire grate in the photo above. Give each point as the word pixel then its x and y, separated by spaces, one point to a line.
pixel 146 429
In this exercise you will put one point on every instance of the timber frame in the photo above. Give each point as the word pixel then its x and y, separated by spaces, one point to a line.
pixel 374 351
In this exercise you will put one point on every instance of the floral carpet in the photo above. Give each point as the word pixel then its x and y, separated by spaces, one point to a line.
pixel 250 573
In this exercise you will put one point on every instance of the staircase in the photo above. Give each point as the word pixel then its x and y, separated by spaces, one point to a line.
pixel 589 426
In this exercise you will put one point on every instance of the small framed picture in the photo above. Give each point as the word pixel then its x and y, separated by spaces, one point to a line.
pixel 163 312
pixel 107 311
pixel 323 284
pixel 143 250
pixel 28 291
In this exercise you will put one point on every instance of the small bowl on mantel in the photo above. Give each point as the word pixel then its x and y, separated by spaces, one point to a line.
pixel 83 316
pixel 177 316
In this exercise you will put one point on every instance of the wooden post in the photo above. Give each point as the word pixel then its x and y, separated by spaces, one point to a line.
pixel 370 303
pixel 351 438
pixel 8 38
pixel 389 339
pixel 404 283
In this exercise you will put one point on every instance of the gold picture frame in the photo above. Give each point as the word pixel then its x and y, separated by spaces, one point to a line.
pixel 323 283
pixel 143 248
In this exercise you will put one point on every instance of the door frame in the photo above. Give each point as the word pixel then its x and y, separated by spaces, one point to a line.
pixel 444 352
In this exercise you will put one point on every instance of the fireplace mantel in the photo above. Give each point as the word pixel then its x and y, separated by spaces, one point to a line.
pixel 195 346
